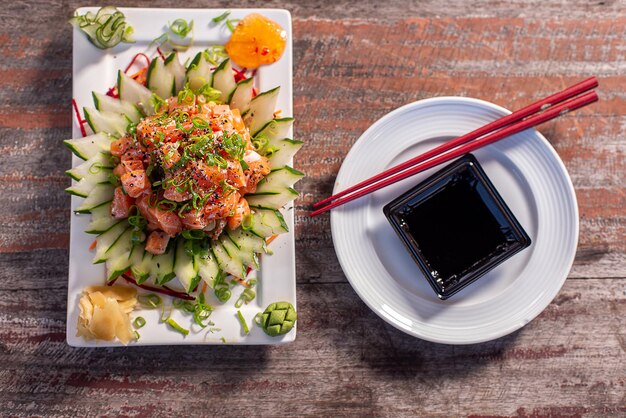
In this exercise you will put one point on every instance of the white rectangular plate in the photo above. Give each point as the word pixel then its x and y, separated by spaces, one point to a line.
pixel 96 70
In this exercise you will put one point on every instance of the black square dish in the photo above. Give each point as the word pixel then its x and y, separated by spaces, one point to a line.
pixel 456 226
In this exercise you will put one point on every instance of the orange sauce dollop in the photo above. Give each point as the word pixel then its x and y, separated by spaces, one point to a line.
pixel 256 41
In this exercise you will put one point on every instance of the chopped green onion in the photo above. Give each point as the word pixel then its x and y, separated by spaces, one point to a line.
pixel 209 93
pixel 166 312
pixel 199 123
pixel 214 54
pixel 183 305
pixel 269 151
pixel 139 322
pixel 247 222
pixel 104 29
pixel 138 221
pixel 242 321
pixel 246 296
pixel 223 340
pixel 157 102
pixel 177 327
pixel 186 96
pixel 223 294
pixel 221 17
pixel 260 142
pixel 137 336
pixel 149 301
pixel 181 28
pixel 231 24
pixel 202 311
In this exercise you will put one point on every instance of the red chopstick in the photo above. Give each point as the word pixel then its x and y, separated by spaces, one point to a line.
pixel 520 114
pixel 534 120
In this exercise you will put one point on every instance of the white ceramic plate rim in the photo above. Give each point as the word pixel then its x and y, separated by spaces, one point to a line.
pixel 424 330
pixel 95 69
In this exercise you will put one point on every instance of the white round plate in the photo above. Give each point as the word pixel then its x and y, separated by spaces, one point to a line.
pixel 531 179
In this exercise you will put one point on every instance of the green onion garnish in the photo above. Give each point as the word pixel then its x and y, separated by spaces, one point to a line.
pixel 247 223
pixel 177 327
pixel 242 321
pixel 202 311
pixel 166 312
pixel 139 322
pixel 104 29
pixel 221 17
pixel 246 296
pixel 183 305
pixel 149 301
pixel 199 123
pixel 181 28
pixel 231 24
pixel 223 294
pixel 157 102
pixel 210 94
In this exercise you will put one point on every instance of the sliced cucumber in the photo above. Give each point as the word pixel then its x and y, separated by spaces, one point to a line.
pixel 247 240
pixel 106 103
pixel 83 187
pixel 198 72
pixel 141 262
pixel 224 80
pixel 160 81
pixel 185 267
pixel 248 243
pixel 208 269
pixel 106 240
pixel 131 91
pixel 101 220
pixel 177 70
pixel 272 200
pixel 242 95
pixel 163 266
pixel 229 263
pixel 261 110
pixel 283 151
pixel 118 256
pixel 278 179
pixel 268 222
pixel 111 123
pixel 89 146
pixel 247 257
pixel 276 129
pixel 92 166
pixel 99 195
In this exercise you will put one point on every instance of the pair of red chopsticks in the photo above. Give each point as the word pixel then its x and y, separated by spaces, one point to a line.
pixel 548 108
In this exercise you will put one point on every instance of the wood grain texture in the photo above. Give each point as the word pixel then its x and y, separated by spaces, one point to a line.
pixel 354 62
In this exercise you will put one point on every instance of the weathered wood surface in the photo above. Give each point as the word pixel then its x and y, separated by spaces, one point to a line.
pixel 354 62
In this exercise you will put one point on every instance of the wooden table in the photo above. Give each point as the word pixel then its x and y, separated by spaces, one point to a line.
pixel 354 62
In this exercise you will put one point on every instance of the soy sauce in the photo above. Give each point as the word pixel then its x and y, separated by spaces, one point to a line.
pixel 456 226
